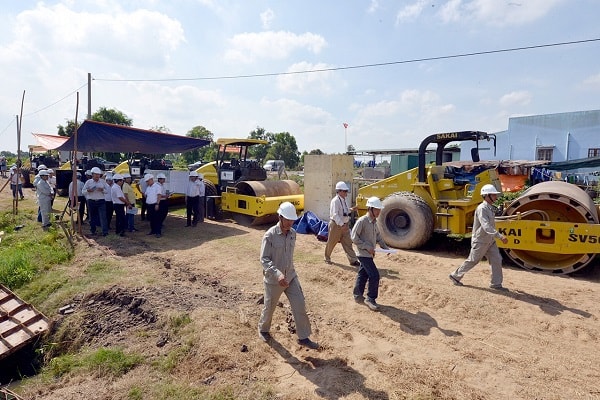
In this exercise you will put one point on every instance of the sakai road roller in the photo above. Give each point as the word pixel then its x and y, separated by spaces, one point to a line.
pixel 238 185
pixel 553 226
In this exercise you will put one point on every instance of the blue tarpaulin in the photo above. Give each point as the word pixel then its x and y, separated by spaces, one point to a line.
pixel 94 136
pixel 310 223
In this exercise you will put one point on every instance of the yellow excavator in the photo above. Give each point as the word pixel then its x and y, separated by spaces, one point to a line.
pixel 552 226
pixel 238 185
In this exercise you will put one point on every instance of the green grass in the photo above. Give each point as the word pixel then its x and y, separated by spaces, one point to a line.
pixel 28 251
pixel 102 362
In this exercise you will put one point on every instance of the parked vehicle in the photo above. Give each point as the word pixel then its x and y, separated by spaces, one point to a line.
pixel 274 165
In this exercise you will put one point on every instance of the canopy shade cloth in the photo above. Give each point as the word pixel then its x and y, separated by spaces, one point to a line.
pixel 94 136
pixel 47 142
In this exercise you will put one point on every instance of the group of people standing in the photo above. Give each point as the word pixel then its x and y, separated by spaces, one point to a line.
pixel 279 274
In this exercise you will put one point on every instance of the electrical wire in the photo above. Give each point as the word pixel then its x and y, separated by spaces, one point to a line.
pixel 446 57
pixel 56 102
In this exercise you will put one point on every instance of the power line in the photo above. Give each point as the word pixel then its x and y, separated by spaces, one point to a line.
pixel 56 102
pixel 414 60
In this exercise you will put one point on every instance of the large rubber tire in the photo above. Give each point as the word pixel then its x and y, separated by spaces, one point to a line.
pixel 209 188
pixel 406 221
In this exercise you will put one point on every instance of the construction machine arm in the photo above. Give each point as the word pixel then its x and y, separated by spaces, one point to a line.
pixel 442 139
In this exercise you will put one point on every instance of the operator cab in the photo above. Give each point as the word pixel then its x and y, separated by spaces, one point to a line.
pixel 233 163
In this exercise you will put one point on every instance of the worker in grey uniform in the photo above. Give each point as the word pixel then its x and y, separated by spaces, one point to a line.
pixel 365 236
pixel 279 276
pixel 483 240
pixel 44 194
pixel 339 228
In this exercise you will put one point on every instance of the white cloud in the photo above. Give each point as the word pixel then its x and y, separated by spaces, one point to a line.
pixel 411 11
pixel 294 111
pixel 496 12
pixel 593 80
pixel 248 47
pixel 53 32
pixel 267 17
pixel 323 83
pixel 410 102
pixel 373 6
pixel 518 98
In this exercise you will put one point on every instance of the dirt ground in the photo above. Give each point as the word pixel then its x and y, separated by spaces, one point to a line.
pixel 431 340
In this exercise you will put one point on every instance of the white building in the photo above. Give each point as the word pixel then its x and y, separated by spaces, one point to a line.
pixel 553 137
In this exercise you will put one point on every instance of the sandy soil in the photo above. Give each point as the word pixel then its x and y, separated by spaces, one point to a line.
pixel 431 340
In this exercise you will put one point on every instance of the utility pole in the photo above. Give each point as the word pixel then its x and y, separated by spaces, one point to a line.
pixel 89 113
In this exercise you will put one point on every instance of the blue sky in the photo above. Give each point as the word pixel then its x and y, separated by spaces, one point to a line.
pixel 47 49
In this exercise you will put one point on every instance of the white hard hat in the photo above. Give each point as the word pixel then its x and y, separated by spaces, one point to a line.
pixel 374 202
pixel 41 167
pixel 88 172
pixel 341 186
pixel 79 174
pixel 96 170
pixel 489 189
pixel 287 211
pixel 193 173
pixel 13 168
pixel 161 176
pixel 126 175
pixel 44 172
pixel 108 176
pixel 117 177
pixel 148 177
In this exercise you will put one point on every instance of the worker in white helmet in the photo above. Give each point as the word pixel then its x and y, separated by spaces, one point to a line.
pixel 365 236
pixel 279 276
pixel 76 197
pixel 163 205
pixel 194 199
pixel 44 197
pixel 338 229
pixel 120 204
pixel 96 189
pixel 153 191
pixel 483 240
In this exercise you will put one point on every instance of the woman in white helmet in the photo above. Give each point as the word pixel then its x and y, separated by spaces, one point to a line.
pixel 365 236
pixel 483 240
pixel 279 276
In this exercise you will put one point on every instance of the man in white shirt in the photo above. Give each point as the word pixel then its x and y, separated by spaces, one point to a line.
pixel 194 199
pixel 77 196
pixel 120 203
pixel 96 190
pixel 339 230
pixel 153 196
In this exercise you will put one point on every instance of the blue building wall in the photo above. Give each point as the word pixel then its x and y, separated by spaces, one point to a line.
pixel 570 135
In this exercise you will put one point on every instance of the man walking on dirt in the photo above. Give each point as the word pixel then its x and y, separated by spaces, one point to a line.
pixel 483 241
pixel 338 228
pixel 365 236
pixel 279 276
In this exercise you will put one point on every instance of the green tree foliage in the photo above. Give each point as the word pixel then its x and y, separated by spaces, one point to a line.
pixel 317 152
pixel 206 153
pixel 67 130
pixel 259 151
pixel 284 148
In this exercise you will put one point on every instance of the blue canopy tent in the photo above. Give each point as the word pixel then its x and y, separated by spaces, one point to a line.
pixel 94 136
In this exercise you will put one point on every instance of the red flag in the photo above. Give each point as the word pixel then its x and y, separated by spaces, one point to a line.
pixel 345 125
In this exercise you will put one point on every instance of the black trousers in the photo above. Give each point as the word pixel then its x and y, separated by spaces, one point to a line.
pixel 154 217
pixel 121 218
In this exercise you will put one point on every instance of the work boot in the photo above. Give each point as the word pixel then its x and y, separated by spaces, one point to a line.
pixel 499 288
pixel 454 280
pixel 372 304
pixel 308 343
pixel 264 336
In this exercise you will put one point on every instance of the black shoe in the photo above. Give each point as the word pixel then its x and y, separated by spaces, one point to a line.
pixel 359 299
pixel 455 281
pixel 264 336
pixel 186 225
pixel 355 263
pixel 500 288
pixel 372 304
pixel 328 262
pixel 308 343
pixel 158 235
